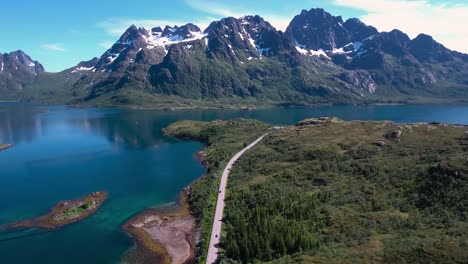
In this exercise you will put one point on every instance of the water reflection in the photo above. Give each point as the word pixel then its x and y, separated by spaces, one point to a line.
pixel 131 129
pixel 22 123
pixel 19 123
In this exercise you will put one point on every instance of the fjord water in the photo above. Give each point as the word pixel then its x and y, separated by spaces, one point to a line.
pixel 64 153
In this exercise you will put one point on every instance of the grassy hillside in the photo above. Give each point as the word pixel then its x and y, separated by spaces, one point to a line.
pixel 51 88
pixel 330 191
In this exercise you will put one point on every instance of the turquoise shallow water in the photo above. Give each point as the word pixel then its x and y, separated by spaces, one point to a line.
pixel 66 153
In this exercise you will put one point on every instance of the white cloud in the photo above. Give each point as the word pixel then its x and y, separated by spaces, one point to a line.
pixel 218 10
pixel 54 46
pixel 212 7
pixel 446 23
pixel 117 26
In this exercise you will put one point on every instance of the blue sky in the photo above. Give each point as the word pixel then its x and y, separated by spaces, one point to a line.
pixel 60 34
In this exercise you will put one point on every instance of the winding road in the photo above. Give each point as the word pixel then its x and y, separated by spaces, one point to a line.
pixel 217 220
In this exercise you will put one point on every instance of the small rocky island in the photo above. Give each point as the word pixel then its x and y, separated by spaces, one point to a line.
pixel 5 146
pixel 66 212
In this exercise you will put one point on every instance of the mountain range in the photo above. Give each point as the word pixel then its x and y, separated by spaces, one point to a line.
pixel 319 59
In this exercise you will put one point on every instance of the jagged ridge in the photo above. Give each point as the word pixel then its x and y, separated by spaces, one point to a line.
pixel 319 59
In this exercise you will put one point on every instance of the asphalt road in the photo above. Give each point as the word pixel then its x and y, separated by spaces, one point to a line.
pixel 217 221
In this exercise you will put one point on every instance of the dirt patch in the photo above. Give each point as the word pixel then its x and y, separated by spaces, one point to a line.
pixel 175 233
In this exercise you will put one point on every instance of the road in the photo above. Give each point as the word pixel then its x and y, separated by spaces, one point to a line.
pixel 217 220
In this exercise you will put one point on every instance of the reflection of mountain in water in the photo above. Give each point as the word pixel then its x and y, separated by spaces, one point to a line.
pixel 20 123
pixel 143 128
pixel 137 129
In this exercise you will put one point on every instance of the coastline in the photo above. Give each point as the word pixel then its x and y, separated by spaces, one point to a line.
pixel 252 105
pixel 273 105
pixel 164 235
pixel 176 219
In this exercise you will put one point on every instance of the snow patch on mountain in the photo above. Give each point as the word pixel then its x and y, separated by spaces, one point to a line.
pixel 82 69
pixel 339 51
pixel 257 47
pixel 252 42
pixel 112 57
pixel 301 49
pixel 232 50
pixel 155 39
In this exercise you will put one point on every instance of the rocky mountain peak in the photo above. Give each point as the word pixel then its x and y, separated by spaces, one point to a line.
pixel 394 43
pixel 319 55
pixel 131 34
pixel 318 30
pixel 18 60
pixel 85 66
pixel 157 30
pixel 425 48
pixel 243 39
pixel 17 71
pixel 184 32
pixel 359 31
pixel 138 45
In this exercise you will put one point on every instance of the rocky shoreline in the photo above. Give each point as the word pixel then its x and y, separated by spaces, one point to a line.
pixel 167 234
pixel 164 235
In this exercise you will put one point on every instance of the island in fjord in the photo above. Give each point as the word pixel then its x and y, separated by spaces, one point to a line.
pixel 324 191
pixel 5 146
pixel 65 213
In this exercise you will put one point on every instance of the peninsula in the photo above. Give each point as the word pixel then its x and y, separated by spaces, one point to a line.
pixel 331 191
pixel 65 213
pixel 165 235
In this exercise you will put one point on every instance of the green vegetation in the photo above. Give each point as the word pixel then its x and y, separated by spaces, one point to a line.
pixel 330 191
pixel 65 213
pixel 51 88
pixel 203 194
pixel 75 211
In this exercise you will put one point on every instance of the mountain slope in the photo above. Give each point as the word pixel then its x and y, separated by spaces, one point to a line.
pixel 319 59
pixel 17 70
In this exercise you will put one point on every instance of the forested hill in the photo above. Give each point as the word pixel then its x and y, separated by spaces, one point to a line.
pixel 329 191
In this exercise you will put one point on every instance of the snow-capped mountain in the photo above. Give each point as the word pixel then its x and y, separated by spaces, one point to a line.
pixel 140 45
pixel 244 39
pixel 318 59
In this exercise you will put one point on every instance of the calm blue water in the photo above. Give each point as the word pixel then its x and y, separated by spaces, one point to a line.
pixel 66 153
